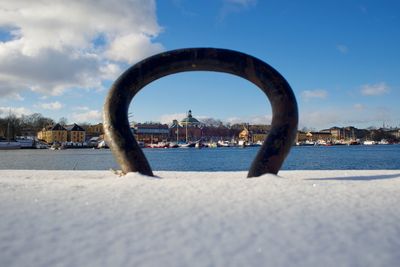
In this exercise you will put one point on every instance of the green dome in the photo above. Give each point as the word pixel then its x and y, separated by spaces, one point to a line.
pixel 189 120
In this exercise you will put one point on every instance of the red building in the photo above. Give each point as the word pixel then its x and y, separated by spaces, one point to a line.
pixel 188 129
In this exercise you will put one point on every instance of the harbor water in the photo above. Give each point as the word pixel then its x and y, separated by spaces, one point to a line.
pixel 377 157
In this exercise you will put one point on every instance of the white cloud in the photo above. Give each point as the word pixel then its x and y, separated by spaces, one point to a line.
pixel 342 48
pixel 234 6
pixel 310 94
pixel 5 111
pixel 168 118
pixel 51 106
pixel 56 45
pixel 241 2
pixel 81 108
pixel 357 115
pixel 375 89
pixel 256 119
pixel 359 106
pixel 320 119
pixel 132 47
pixel 88 116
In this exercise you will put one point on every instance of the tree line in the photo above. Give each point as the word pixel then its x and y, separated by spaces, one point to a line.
pixel 12 126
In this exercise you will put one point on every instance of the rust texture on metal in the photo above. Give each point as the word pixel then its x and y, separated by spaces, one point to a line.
pixel 276 146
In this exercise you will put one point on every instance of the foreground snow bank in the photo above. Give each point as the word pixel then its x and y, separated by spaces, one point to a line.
pixel 301 218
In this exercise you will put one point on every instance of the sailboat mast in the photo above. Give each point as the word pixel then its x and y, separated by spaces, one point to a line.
pixel 187 129
pixel 177 132
pixel 8 130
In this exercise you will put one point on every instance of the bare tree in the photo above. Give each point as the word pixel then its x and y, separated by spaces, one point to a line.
pixel 63 121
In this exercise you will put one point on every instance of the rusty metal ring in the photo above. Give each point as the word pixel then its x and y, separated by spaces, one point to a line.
pixel 277 145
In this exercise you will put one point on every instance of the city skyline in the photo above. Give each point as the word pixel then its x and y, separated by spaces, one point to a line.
pixel 341 59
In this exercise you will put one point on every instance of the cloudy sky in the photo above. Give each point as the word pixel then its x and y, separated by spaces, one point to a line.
pixel 341 58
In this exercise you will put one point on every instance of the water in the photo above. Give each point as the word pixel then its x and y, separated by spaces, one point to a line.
pixel 208 159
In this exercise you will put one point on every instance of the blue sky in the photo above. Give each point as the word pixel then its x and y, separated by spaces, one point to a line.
pixel 341 58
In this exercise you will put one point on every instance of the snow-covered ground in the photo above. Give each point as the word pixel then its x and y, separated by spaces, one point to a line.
pixel 301 218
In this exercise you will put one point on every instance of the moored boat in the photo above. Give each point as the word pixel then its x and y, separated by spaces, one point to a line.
pixel 187 145
pixel 26 143
pixel 369 142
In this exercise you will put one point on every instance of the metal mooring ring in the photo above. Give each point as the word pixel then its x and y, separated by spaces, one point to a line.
pixel 277 145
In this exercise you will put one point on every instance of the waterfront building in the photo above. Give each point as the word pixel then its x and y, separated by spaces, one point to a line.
pixel 75 133
pixel 395 133
pixel 52 134
pixel 188 129
pixel 245 135
pixel 150 133
pixel 336 132
pixel 346 133
pixel 259 132
pixel 301 137
pixel 254 133
pixel 190 121
pixel 95 130
pixel 176 132
pixel 313 136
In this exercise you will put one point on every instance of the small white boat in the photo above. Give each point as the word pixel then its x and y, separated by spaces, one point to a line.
pixel 224 143
pixel 307 143
pixel 158 145
pixel 57 146
pixel 369 142
pixel 26 143
pixel 383 142
pixel 102 144
pixel 241 143
pixel 211 144
pixel 187 145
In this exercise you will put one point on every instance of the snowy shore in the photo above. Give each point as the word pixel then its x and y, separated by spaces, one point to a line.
pixel 300 218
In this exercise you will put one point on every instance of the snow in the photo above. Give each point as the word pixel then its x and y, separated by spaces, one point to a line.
pixel 300 218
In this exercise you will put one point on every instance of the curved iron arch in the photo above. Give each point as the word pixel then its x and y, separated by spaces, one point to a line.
pixel 275 148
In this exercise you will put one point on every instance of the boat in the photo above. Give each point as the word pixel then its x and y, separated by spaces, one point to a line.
pixel 57 146
pixel 354 142
pixel 158 145
pixel 211 144
pixel 222 143
pixel 383 142
pixel 187 145
pixel 339 143
pixel 307 143
pixel 40 145
pixel 102 144
pixel 242 143
pixel 199 144
pixel 26 143
pixel 369 142
pixel 173 145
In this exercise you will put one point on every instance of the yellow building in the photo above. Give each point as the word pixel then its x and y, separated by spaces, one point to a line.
pixel 254 133
pixel 244 135
pixel 313 136
pixel 95 130
pixel 52 134
pixel 259 137
pixel 75 133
